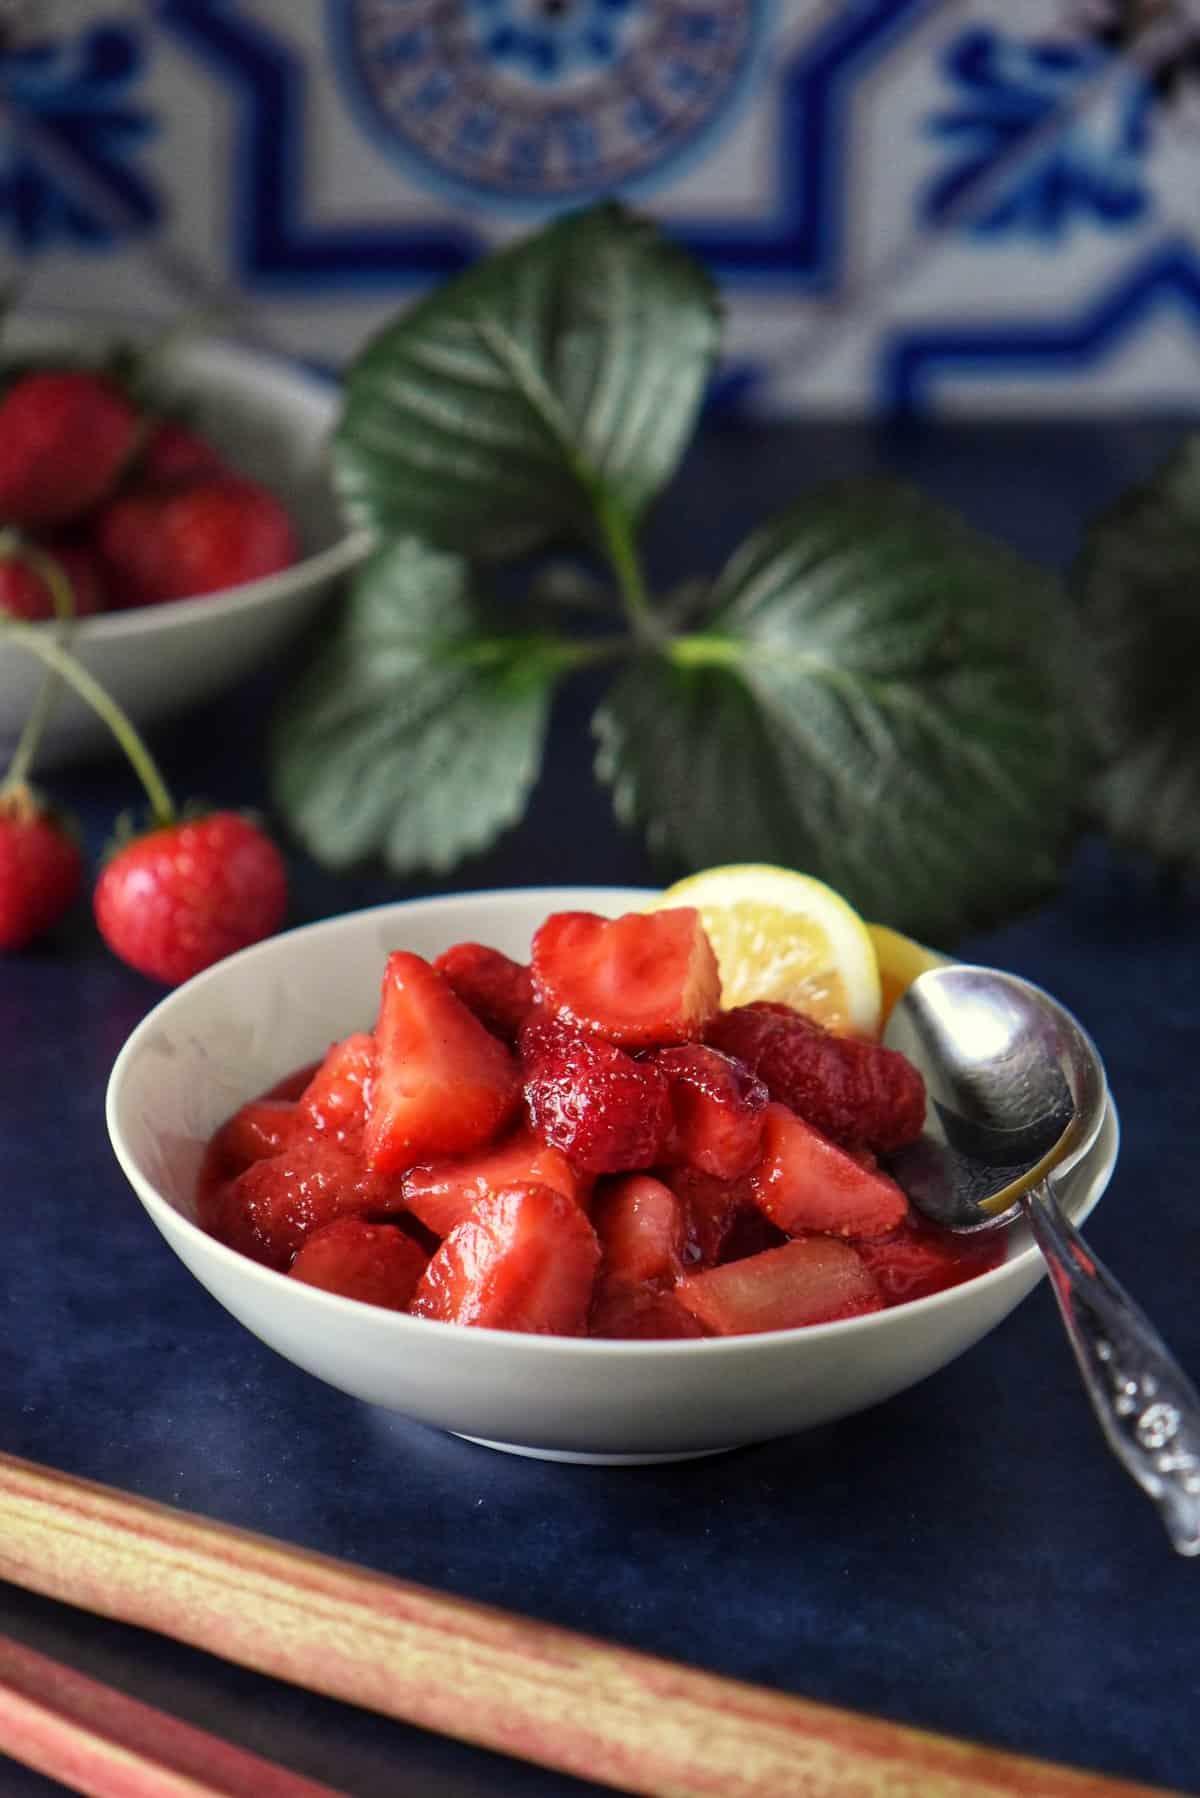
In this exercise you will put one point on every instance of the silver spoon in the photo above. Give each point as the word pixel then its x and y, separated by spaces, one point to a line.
pixel 1016 1097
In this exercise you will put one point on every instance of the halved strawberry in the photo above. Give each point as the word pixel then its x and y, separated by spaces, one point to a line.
pixel 524 1259
pixel 642 979
pixel 261 1128
pixel 497 989
pixel 806 1182
pixel 442 1194
pixel 853 1090
pixel 443 1084
pixel 269 1210
pixel 918 1259
pixel 335 1099
pixel 813 1280
pixel 717 1105
pixel 375 1263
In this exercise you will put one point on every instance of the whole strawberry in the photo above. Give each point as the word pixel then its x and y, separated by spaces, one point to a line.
pixel 182 896
pixel 41 868
pixel 65 437
pixel 174 453
pixel 174 542
pixel 26 593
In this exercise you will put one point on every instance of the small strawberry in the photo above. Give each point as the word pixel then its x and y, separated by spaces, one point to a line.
pixel 176 542
pixel 173 453
pixel 25 590
pixel 189 890
pixel 182 896
pixel 41 868
pixel 65 436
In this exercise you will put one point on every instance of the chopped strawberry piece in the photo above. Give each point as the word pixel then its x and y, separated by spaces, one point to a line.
pixel 335 1099
pixel 269 1210
pixel 639 980
pixel 713 1209
pixel 375 1263
pixel 717 1105
pixel 858 1092
pixel 443 1084
pixel 497 989
pixel 917 1259
pixel 524 1259
pixel 441 1195
pixel 606 1111
pixel 261 1128
pixel 644 1313
pixel 814 1280
pixel 806 1182
pixel 642 1227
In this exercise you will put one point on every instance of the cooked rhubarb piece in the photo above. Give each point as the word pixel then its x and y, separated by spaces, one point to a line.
pixel 523 1259
pixel 607 1112
pixel 642 1227
pixel 717 1105
pixel 376 1263
pixel 813 1280
pixel 335 1099
pixel 442 1194
pixel 806 1182
pixel 857 1092
pixel 646 978
pixel 443 1085
pixel 269 1210
pixel 497 989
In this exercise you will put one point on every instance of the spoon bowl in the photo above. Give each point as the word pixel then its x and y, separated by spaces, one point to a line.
pixel 1016 1095
pixel 1015 1087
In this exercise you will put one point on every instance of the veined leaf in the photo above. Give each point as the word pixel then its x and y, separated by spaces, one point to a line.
pixel 418 734
pixel 876 699
pixel 553 381
pixel 1138 582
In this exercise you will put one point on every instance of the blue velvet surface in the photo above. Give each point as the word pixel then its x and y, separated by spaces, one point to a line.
pixel 967 1557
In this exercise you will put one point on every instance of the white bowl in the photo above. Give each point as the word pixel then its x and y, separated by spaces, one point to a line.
pixel 273 420
pixel 241 1026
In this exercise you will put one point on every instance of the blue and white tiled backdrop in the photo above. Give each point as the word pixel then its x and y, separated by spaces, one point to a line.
pixel 974 205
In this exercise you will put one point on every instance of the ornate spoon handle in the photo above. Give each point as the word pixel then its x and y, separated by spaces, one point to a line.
pixel 1147 1406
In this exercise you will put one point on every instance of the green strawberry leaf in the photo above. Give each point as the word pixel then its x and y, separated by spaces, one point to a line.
pixel 553 384
pixel 877 699
pixel 1136 580
pixel 418 733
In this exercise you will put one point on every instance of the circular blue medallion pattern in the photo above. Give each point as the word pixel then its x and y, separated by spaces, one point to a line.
pixel 547 99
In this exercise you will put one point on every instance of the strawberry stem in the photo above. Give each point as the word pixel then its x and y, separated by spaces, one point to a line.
pixel 51 571
pixel 53 654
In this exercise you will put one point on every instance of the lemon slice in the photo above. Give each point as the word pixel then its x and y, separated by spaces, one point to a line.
pixel 786 937
pixel 900 960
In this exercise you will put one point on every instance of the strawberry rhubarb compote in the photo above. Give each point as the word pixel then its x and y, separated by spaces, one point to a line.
pixel 588 1146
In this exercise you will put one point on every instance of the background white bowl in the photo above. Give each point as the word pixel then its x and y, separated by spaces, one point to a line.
pixel 273 420
pixel 241 1026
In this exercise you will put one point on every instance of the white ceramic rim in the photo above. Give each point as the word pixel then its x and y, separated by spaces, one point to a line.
pixel 518 1342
